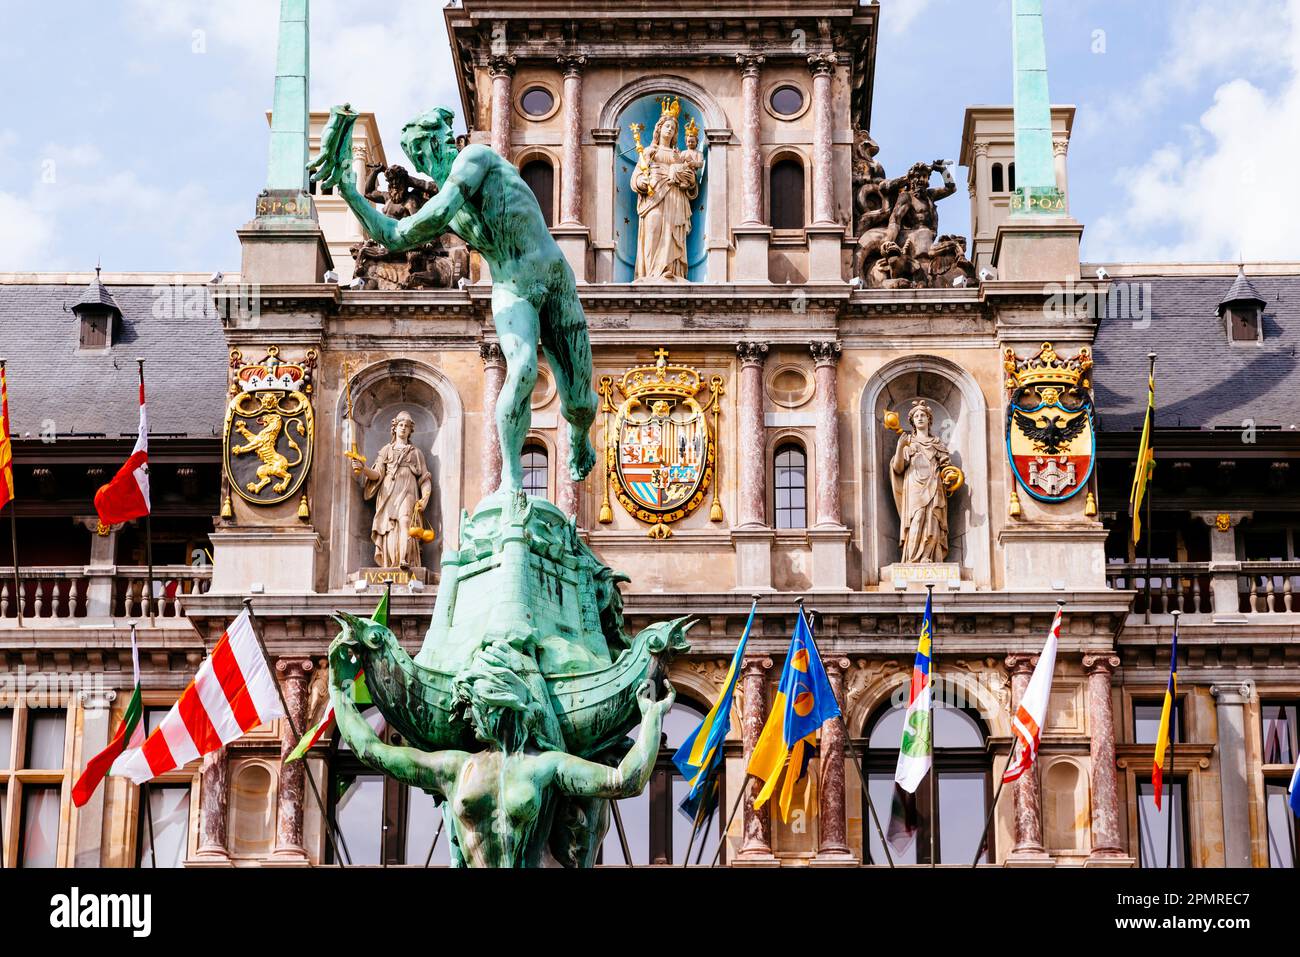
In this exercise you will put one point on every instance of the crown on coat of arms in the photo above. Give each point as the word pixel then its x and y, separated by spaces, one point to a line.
pixel 272 373
pixel 662 378
pixel 1047 367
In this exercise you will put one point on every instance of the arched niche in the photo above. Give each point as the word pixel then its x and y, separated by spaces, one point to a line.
pixel 958 687
pixel 379 392
pixel 252 811
pixel 961 420
pixel 1066 814
pixel 639 102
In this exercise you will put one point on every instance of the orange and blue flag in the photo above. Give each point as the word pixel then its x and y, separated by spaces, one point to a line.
pixel 701 754
pixel 1166 712
pixel 6 446
pixel 804 702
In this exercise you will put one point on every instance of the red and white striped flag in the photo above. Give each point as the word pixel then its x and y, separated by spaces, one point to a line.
pixel 232 694
pixel 127 495
pixel 1027 725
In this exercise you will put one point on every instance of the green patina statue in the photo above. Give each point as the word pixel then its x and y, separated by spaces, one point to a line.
pixel 515 713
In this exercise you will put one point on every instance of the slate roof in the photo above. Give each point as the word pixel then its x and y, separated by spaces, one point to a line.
pixel 97 294
pixel 95 391
pixel 1202 380
pixel 1242 291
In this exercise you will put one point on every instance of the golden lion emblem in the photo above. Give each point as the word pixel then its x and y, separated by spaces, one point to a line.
pixel 274 465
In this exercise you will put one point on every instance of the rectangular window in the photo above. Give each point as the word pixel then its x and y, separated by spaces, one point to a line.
pixel 1146 721
pixel 961 815
pixel 1281 825
pixel 1157 843
pixel 423 823
pixel 6 738
pixel 46 729
pixel 360 816
pixel 39 832
pixel 169 807
pixel 1279 720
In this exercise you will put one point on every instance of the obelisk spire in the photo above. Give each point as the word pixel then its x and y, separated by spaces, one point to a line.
pixel 1036 190
pixel 290 119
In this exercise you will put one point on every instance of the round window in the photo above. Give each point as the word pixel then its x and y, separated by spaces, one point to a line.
pixel 787 100
pixel 537 102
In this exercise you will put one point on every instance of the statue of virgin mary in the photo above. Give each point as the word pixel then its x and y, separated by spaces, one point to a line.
pixel 666 181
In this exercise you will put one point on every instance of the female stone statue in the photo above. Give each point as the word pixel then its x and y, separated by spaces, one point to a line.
pixel 523 802
pixel 400 483
pixel 922 475
pixel 666 180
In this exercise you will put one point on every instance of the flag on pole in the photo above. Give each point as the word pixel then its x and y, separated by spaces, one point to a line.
pixel 233 692
pixel 130 734
pixel 1294 788
pixel 1031 715
pixel 914 753
pixel 1146 460
pixel 360 694
pixel 1162 735
pixel 127 495
pixel 804 701
pixel 6 446
pixel 701 754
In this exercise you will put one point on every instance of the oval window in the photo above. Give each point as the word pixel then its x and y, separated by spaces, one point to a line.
pixel 787 100
pixel 537 102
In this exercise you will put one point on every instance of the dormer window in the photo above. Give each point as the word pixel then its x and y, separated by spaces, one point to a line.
pixel 97 314
pixel 1242 311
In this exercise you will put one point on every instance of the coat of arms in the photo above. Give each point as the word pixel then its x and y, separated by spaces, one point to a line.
pixel 1050 438
pixel 660 452
pixel 269 428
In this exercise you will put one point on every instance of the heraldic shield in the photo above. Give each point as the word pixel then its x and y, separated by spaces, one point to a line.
pixel 1051 440
pixel 270 428
pixel 661 452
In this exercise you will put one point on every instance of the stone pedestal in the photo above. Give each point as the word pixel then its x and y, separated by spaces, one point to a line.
pixel 756 826
pixel 1061 557
pixel 1230 705
pixel 214 800
pixel 753 548
pixel 1044 249
pixel 293 674
pixel 825 252
pixel 284 252
pixel 573 241
pixel 1107 847
pixel 751 263
pixel 830 558
pixel 915 576
pixel 280 560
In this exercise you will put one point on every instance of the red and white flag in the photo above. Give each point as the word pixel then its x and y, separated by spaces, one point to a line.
pixel 232 694
pixel 127 495
pixel 1027 725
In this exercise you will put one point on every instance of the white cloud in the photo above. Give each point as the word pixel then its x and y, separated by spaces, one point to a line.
pixel 897 15
pixel 1223 190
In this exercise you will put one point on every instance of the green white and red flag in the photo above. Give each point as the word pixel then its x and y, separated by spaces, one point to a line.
pixel 130 734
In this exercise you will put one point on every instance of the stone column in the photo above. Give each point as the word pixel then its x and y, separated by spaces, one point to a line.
pixel 566 489
pixel 1106 842
pixel 1230 705
pixel 100 569
pixel 983 190
pixel 214 804
pixel 752 433
pixel 833 825
pixel 293 673
pixel 502 70
pixel 494 375
pixel 751 235
pixel 756 826
pixel 96 708
pixel 825 357
pixel 1225 602
pixel 571 169
pixel 1028 812
pixel 822 66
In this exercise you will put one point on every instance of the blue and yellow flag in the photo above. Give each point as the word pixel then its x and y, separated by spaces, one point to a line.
pixel 1166 724
pixel 804 701
pixel 700 756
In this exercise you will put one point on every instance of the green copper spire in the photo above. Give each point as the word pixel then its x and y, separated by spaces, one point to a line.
pixel 290 129
pixel 1036 190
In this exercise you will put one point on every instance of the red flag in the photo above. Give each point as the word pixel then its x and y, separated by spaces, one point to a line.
pixel 127 495
pixel 130 734
pixel 6 447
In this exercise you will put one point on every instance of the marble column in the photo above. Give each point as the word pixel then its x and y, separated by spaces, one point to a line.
pixel 1028 809
pixel 825 357
pixel 96 708
pixel 214 805
pixel 752 435
pixel 293 675
pixel 566 489
pixel 1060 152
pixel 571 168
pixel 1230 705
pixel 756 826
pixel 1106 811
pixel 502 70
pixel 494 375
pixel 822 66
pixel 833 826
pixel 751 160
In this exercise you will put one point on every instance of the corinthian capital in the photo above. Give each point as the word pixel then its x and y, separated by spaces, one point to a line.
pixel 750 63
pixel 572 63
pixel 822 64
pixel 751 353
pixel 502 64
pixel 825 353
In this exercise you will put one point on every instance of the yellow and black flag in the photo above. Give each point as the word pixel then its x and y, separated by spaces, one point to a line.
pixel 1146 460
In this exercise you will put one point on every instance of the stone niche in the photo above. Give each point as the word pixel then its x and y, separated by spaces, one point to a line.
pixel 379 392
pixel 960 417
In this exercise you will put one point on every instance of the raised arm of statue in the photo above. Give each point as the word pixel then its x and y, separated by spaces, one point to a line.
pixel 371 190
pixel 579 778
pixel 949 184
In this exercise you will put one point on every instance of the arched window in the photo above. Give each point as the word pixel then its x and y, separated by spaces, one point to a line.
pixel 997 178
pixel 536 478
pixel 540 177
pixel 1011 177
pixel 790 482
pixel 657 831
pixel 964 788
pixel 787 194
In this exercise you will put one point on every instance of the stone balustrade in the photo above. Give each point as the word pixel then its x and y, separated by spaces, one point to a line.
pixel 87 591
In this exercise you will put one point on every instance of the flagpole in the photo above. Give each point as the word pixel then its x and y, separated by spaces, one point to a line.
pixel 988 818
pixel 1149 485
pixel 293 727
pixel 934 801
pixel 622 835
pixel 13 527
pixel 148 817
pixel 441 821
pixel 722 841
pixel 699 856
pixel 148 527
pixel 1173 740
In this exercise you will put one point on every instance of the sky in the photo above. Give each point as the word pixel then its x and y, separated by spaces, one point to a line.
pixel 136 130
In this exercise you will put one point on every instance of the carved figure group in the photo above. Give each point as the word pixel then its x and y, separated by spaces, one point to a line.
pixel 439 264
